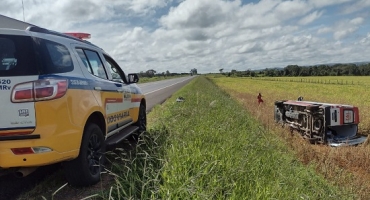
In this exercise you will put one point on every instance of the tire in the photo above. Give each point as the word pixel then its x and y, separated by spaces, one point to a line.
pixel 85 170
pixel 141 122
pixel 279 103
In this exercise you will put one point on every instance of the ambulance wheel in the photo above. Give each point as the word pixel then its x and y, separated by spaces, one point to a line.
pixel 85 170
pixel 279 103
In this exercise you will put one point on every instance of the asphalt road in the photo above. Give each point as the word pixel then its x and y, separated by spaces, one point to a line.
pixel 155 92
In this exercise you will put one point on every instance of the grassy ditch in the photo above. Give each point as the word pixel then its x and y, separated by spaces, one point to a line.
pixel 209 147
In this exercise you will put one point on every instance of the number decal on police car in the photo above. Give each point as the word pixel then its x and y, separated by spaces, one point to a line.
pixel 5 81
pixel 4 84
pixel 79 82
pixel 116 117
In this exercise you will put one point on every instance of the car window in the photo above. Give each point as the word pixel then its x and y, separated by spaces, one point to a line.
pixel 59 55
pixel 114 69
pixel 24 55
pixel 81 54
pixel 17 56
pixel 54 57
pixel 93 62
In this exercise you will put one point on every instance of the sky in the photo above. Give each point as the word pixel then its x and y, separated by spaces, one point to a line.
pixel 209 35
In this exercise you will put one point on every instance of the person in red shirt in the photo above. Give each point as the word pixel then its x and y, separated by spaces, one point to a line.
pixel 259 98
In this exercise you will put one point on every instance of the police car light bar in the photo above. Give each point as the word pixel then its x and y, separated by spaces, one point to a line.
pixel 80 35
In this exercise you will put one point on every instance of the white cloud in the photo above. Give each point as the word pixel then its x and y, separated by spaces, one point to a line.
pixel 340 34
pixel 310 18
pixel 198 14
pixel 324 30
pixel 357 6
pixel 145 5
pixel 365 41
pixel 323 3
pixel 357 21
pixel 292 9
pixel 347 27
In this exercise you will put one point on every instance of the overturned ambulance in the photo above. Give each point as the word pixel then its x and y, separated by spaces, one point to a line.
pixel 325 123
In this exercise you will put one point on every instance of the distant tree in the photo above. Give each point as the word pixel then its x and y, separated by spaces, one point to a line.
pixel 221 70
pixel 142 74
pixel 305 71
pixel 168 73
pixel 353 70
pixel 150 73
pixel 193 71
pixel 364 69
pixel 278 72
pixel 293 70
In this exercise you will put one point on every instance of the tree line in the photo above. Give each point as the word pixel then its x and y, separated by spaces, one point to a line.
pixel 152 73
pixel 316 70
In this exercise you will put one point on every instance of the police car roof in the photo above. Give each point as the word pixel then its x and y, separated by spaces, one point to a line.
pixel 10 23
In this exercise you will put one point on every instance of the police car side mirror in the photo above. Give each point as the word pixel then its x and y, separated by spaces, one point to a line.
pixel 133 78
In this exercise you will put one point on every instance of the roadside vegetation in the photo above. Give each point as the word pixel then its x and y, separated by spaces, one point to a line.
pixel 152 75
pixel 158 78
pixel 207 147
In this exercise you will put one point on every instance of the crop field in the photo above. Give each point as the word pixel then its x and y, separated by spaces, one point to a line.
pixel 334 80
pixel 346 166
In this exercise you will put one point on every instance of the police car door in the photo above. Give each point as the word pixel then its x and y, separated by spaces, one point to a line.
pixel 119 78
pixel 108 93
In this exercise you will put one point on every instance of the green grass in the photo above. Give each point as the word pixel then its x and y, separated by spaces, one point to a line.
pixel 209 147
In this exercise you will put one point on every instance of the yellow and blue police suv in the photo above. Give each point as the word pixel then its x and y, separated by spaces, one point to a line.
pixel 62 99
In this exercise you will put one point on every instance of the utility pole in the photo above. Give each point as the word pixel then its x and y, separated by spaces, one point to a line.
pixel 23 11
